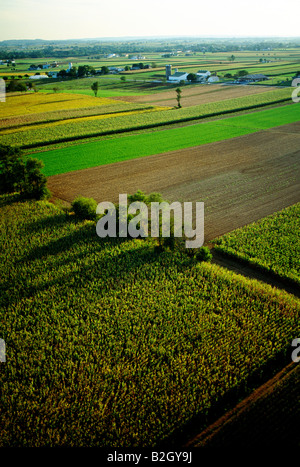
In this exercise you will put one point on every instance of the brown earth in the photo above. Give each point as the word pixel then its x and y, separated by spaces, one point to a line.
pixel 197 95
pixel 240 180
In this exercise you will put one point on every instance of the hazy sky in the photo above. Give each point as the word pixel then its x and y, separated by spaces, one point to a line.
pixel 73 19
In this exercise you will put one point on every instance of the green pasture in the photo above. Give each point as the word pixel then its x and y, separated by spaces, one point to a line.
pixel 130 147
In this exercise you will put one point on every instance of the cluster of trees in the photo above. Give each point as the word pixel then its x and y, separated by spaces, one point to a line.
pixel 85 208
pixel 20 174
pixel 74 72
pixel 239 74
pixel 18 85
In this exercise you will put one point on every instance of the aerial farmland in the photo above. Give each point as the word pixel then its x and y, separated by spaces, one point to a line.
pixel 137 342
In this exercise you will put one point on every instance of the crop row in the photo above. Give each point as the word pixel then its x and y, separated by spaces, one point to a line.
pixel 27 104
pixel 271 243
pixel 62 115
pixel 111 344
pixel 83 120
pixel 70 131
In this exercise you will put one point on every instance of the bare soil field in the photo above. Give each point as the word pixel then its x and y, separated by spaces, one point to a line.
pixel 203 94
pixel 240 180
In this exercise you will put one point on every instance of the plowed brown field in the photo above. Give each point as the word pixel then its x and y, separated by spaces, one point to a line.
pixel 203 94
pixel 240 180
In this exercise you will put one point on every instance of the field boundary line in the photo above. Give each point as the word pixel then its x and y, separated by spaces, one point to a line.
pixel 150 125
pixel 245 404
pixel 254 271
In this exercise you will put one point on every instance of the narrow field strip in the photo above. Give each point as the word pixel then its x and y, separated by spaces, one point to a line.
pixel 49 125
pixel 108 151
pixel 271 244
pixel 123 124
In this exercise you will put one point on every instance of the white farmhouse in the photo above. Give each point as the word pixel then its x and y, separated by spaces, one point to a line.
pixel 203 75
pixel 213 79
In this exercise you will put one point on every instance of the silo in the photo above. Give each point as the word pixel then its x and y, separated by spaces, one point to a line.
pixel 168 71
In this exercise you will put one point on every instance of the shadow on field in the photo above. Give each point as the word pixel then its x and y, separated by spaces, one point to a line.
pixel 77 258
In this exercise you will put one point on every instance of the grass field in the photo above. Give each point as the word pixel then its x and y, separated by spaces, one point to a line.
pixel 39 136
pixel 240 180
pixel 272 243
pixel 111 344
pixel 129 147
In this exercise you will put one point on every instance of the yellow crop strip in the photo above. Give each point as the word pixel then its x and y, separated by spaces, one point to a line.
pixel 39 103
pixel 80 120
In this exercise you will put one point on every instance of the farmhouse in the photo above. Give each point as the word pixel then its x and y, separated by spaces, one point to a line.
pixel 203 75
pixel 213 79
pixel 115 70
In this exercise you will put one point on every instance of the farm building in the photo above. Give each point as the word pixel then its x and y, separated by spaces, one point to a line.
pixel 38 77
pixel 213 79
pixel 203 75
pixel 253 78
pixel 114 70
pixel 177 77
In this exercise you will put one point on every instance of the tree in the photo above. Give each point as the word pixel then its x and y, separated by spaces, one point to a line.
pixel 16 86
pixel 34 183
pixel 191 77
pixel 73 72
pixel 242 73
pixel 85 70
pixel 84 208
pixel 178 92
pixel 24 176
pixel 11 168
pixel 95 87
pixel 62 74
pixel 123 78
pixel 104 70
